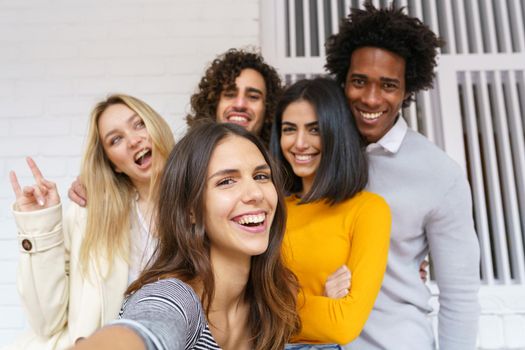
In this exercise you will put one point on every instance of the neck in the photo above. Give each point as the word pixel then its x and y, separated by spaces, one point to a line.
pixel 307 185
pixel 228 315
pixel 143 190
pixel 231 277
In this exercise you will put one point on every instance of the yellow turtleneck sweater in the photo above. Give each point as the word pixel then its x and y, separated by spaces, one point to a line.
pixel 321 238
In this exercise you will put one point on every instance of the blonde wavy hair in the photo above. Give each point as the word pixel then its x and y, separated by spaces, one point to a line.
pixel 110 193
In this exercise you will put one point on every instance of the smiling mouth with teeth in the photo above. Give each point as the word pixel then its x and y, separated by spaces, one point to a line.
pixel 371 116
pixel 238 119
pixel 252 220
pixel 142 156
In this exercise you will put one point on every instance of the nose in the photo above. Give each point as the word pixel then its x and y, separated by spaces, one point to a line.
pixel 134 140
pixel 240 102
pixel 372 96
pixel 301 141
pixel 252 192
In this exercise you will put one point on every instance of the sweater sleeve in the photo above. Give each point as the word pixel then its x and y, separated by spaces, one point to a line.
pixel 339 321
pixel 166 314
pixel 454 250
pixel 43 276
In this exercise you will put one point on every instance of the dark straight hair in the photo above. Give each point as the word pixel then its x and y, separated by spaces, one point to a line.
pixel 343 170
pixel 183 245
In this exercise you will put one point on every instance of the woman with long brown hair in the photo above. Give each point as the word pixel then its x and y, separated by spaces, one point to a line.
pixel 218 278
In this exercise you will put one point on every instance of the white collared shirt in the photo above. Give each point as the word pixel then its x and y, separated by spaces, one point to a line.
pixel 392 140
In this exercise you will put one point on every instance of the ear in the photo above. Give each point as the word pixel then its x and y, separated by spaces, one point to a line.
pixel 192 217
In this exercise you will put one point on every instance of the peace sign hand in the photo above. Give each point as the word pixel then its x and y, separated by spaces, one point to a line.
pixel 43 194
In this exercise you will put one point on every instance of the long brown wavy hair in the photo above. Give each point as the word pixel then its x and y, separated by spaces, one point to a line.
pixel 183 249
pixel 221 75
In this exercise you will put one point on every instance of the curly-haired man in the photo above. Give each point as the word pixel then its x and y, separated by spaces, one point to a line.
pixel 238 87
pixel 382 57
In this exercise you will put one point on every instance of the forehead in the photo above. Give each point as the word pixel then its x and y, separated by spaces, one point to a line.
pixel 300 111
pixel 377 62
pixel 235 152
pixel 250 78
pixel 113 115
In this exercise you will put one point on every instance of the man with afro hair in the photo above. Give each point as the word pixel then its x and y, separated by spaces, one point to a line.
pixel 238 87
pixel 382 57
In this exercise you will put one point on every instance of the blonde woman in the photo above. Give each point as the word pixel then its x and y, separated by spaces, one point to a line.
pixel 73 271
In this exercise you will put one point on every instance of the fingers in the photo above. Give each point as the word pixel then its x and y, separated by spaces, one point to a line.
pixel 73 195
pixel 15 184
pixel 338 284
pixel 39 194
pixel 341 272
pixel 35 170
pixel 27 191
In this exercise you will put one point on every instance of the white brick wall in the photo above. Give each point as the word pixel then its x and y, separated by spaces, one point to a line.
pixel 58 57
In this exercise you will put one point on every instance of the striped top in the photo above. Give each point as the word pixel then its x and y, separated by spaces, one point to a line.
pixel 167 315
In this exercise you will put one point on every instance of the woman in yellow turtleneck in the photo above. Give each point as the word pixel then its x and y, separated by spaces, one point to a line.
pixel 333 224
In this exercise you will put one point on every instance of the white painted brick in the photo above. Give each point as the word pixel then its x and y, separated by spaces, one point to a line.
pixel 7 88
pixel 4 127
pixel 241 9
pixel 113 14
pixel 70 106
pixel 8 15
pixel 98 88
pixel 9 335
pixel 49 87
pixel 491 334
pixel 8 251
pixel 136 67
pixel 40 126
pixel 10 52
pixel 47 50
pixel 22 70
pixel 12 317
pixel 9 295
pixel 68 146
pixel 186 65
pixel 18 146
pixel 173 11
pixel 212 48
pixel 73 168
pixel 7 224
pixel 166 84
pixel 20 107
pixel 8 269
pixel 75 68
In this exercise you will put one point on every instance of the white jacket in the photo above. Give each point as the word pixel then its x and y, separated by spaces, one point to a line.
pixel 62 304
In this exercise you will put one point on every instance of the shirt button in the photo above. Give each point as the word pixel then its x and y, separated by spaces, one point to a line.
pixel 27 245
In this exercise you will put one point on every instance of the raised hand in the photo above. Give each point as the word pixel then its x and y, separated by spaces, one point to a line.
pixel 43 194
pixel 77 193
pixel 337 284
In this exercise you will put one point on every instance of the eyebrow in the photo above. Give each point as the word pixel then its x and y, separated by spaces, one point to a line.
pixel 224 172
pixel 307 124
pixel 255 90
pixel 112 131
pixel 384 79
pixel 249 89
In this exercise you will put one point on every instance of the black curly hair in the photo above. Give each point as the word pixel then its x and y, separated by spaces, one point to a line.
pixel 221 75
pixel 390 29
